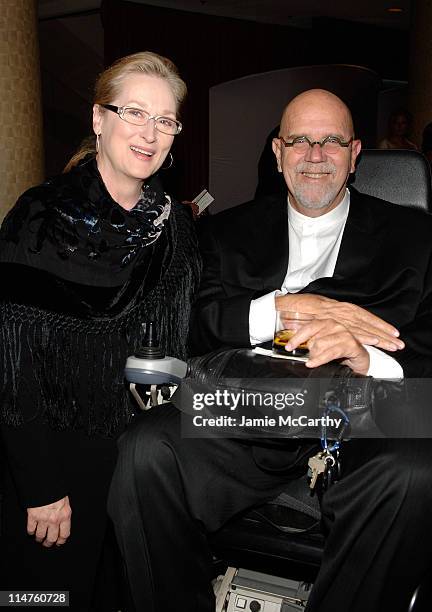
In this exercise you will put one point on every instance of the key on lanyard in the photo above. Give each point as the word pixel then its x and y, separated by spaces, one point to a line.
pixel 319 465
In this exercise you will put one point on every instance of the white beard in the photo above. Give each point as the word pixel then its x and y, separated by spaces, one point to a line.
pixel 310 198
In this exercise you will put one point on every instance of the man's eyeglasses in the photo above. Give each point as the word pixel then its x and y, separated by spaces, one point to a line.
pixel 136 116
pixel 329 144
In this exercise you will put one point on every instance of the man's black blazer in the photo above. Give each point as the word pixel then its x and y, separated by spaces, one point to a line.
pixel 384 265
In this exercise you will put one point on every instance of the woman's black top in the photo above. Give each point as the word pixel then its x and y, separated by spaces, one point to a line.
pixel 80 275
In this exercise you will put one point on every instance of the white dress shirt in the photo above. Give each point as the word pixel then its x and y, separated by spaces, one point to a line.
pixel 314 244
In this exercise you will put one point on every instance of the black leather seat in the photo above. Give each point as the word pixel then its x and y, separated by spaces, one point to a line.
pixel 399 176
pixel 282 537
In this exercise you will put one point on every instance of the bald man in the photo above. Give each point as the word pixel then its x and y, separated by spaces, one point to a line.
pixel 346 258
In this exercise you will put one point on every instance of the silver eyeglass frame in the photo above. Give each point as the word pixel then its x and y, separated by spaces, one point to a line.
pixel 119 110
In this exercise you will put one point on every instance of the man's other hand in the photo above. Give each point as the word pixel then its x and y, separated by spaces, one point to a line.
pixel 366 327
pixel 50 524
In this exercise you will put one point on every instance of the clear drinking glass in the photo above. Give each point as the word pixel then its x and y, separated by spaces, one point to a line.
pixel 288 322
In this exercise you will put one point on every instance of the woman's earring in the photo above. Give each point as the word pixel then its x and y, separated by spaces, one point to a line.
pixel 170 163
pixel 97 143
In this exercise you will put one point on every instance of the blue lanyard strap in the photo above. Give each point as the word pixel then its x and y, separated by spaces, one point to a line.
pixel 333 406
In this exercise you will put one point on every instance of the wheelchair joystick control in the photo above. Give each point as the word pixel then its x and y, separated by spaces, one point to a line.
pixel 255 606
pixel 150 366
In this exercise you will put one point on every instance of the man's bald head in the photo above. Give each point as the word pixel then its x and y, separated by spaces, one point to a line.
pixel 316 105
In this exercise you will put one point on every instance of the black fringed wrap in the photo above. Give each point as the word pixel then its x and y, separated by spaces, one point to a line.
pixel 79 277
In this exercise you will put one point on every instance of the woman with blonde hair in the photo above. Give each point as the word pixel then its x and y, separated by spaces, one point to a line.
pixel 96 252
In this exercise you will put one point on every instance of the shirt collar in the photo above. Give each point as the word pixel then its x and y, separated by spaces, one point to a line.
pixel 335 217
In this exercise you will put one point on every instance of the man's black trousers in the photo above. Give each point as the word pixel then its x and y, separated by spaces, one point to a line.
pixel 168 492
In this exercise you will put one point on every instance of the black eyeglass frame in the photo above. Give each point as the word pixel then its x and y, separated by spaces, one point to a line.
pixel 119 110
pixel 321 143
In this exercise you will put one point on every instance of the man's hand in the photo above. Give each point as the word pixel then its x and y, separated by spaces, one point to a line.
pixel 328 340
pixel 50 524
pixel 366 327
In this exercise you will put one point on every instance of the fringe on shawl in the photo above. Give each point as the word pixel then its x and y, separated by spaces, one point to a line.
pixel 74 367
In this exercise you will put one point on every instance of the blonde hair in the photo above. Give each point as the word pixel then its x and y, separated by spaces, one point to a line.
pixel 109 82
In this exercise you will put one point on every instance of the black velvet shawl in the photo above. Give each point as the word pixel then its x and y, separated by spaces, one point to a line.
pixel 80 275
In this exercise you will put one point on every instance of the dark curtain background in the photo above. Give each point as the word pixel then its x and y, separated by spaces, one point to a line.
pixel 209 50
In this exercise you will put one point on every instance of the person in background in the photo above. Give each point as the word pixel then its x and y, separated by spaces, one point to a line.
pixel 86 258
pixel 399 128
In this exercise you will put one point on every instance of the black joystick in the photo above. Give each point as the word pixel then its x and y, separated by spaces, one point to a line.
pixel 150 366
pixel 151 348
pixel 255 606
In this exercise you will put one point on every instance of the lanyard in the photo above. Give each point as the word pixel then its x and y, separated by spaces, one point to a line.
pixel 332 405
